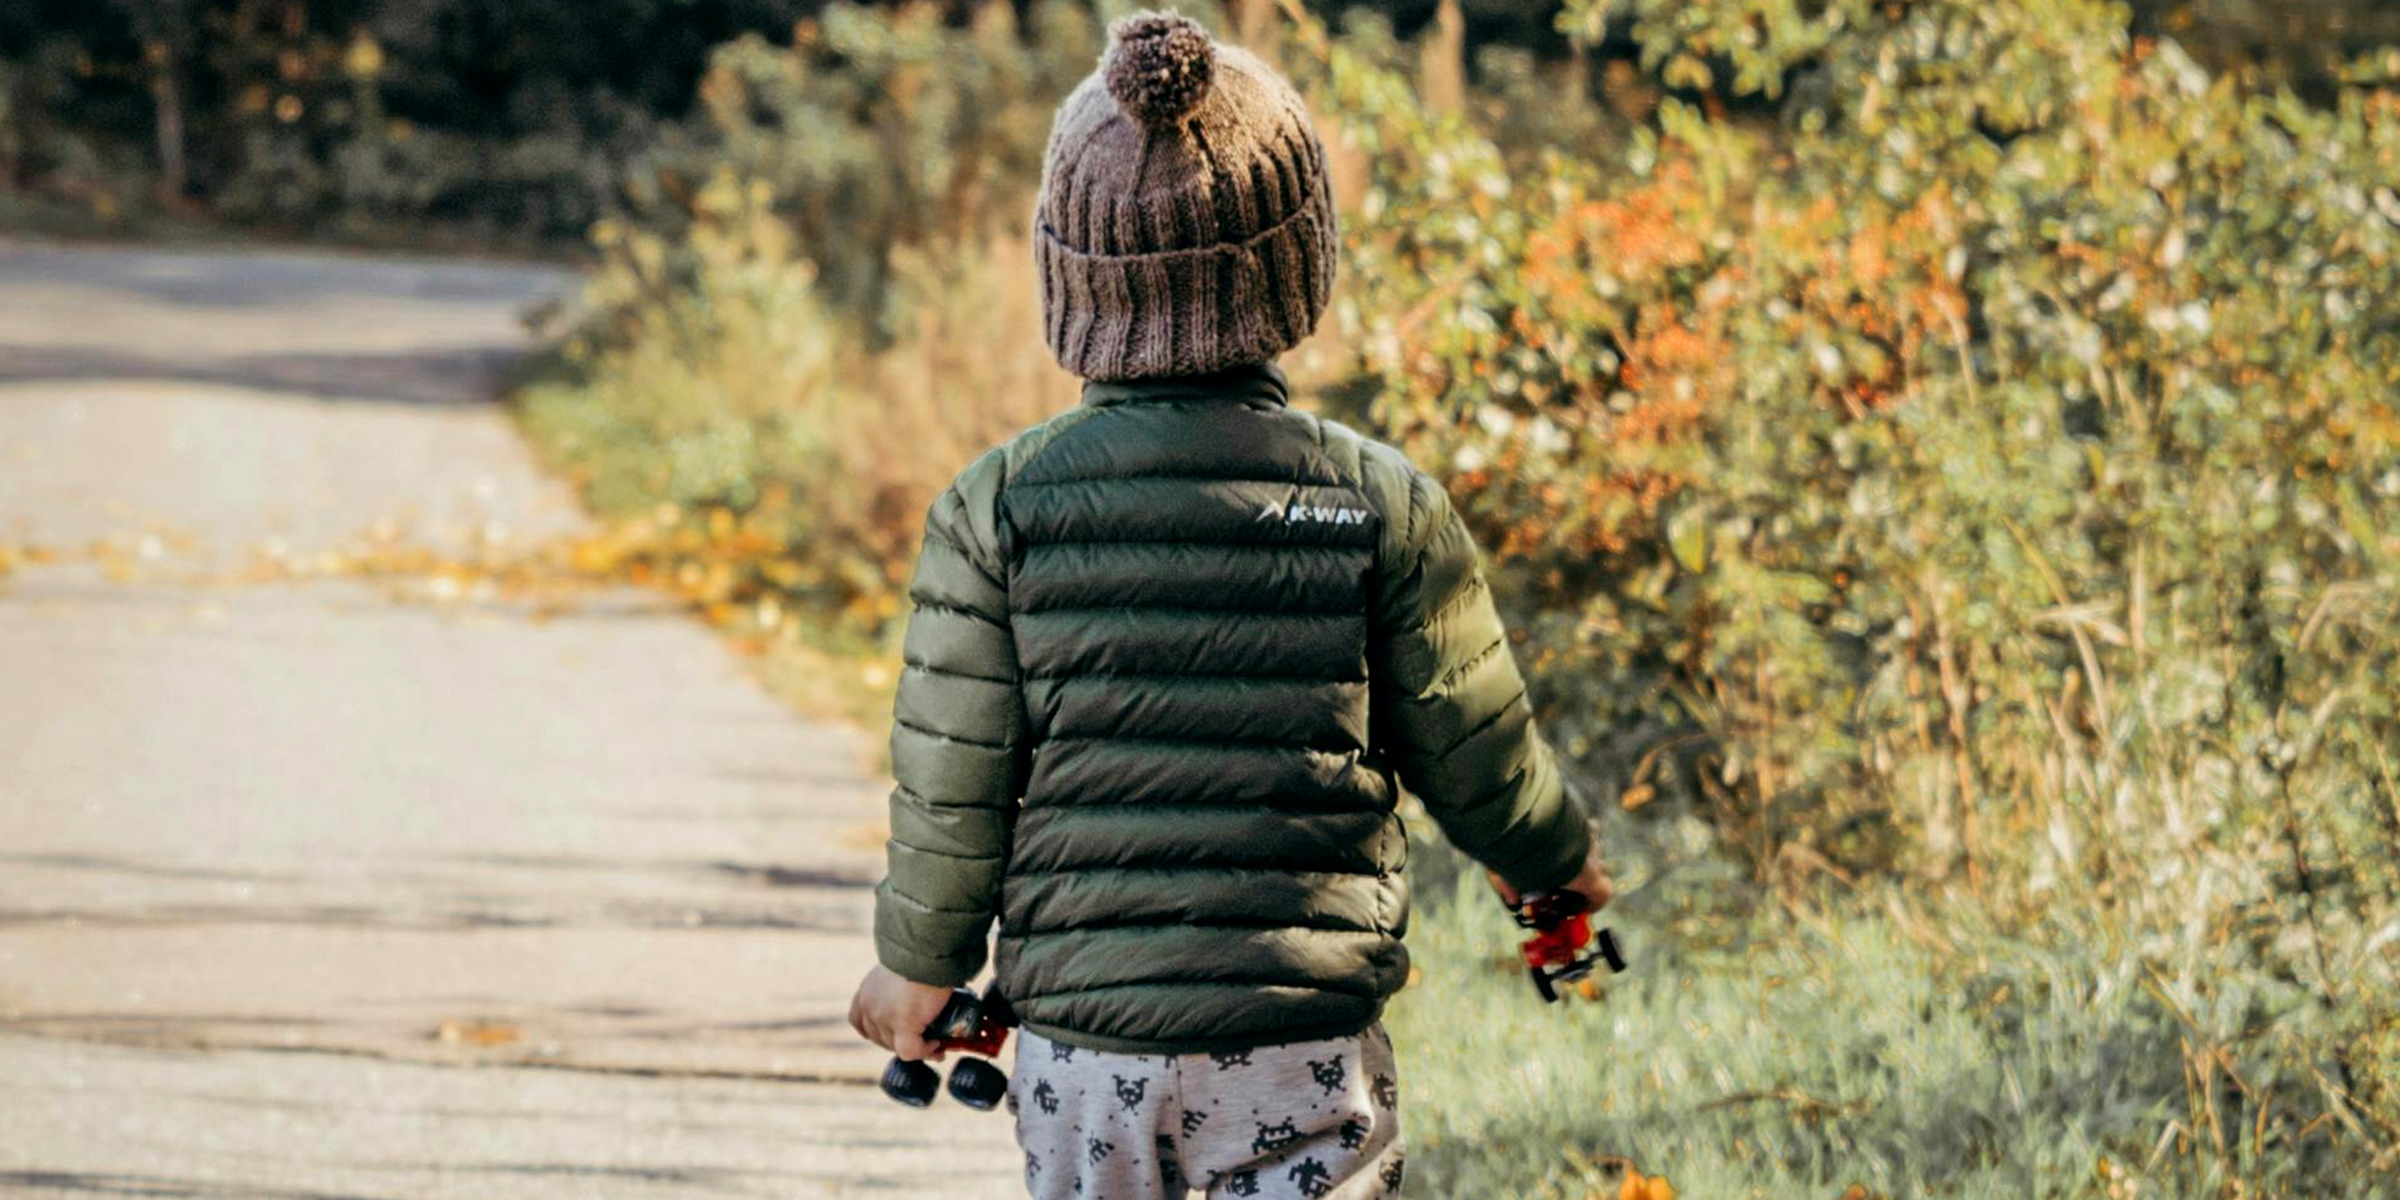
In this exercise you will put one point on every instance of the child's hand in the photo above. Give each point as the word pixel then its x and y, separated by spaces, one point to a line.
pixel 893 1012
pixel 1592 883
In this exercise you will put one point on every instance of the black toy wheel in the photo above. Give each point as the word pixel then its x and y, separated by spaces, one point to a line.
pixel 978 1084
pixel 1542 984
pixel 911 1083
pixel 1609 951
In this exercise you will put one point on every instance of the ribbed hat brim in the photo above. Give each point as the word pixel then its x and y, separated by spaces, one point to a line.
pixel 1186 312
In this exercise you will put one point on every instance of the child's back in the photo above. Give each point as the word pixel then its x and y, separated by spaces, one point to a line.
pixel 1172 653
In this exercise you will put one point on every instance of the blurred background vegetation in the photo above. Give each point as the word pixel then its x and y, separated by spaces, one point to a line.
pixel 520 122
pixel 1942 453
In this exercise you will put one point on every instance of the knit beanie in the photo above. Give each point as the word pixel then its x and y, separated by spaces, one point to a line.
pixel 1185 223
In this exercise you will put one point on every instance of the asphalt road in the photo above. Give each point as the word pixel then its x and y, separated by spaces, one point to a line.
pixel 307 894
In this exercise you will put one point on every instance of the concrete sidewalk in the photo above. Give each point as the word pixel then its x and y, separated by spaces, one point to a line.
pixel 305 893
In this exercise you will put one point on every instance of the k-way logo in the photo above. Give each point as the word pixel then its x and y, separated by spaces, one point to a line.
pixel 1321 514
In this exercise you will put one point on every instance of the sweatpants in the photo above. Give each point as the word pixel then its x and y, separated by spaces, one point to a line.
pixel 1317 1120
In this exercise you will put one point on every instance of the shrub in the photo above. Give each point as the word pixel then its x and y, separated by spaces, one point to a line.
pixel 1982 476
pixel 879 133
pixel 711 390
pixel 798 327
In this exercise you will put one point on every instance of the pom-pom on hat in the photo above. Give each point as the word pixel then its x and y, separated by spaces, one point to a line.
pixel 1159 66
pixel 1185 223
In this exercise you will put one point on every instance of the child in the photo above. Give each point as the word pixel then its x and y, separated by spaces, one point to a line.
pixel 1170 652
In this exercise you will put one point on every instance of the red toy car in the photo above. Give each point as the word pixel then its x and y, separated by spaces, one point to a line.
pixel 971 1025
pixel 1562 926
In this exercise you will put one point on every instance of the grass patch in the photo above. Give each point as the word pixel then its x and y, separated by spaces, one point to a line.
pixel 1869 1045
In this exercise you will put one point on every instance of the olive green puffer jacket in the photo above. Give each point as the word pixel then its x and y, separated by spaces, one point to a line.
pixel 1169 652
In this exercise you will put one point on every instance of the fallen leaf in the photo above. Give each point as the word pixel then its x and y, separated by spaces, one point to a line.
pixel 454 1031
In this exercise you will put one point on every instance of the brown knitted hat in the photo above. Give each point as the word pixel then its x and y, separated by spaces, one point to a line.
pixel 1185 223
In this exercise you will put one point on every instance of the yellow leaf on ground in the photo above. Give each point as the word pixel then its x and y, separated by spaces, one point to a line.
pixel 455 1031
pixel 1633 1185
pixel 593 557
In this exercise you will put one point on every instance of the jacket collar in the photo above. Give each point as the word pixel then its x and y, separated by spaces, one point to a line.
pixel 1260 382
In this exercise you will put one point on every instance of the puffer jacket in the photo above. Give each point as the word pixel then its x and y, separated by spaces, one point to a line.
pixel 1170 654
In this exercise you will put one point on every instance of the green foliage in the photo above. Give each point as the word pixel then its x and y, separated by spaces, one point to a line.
pixel 2312 45
pixel 1746 47
pixel 878 132
pixel 689 394
pixel 508 118
pixel 812 311
pixel 709 386
pixel 1985 481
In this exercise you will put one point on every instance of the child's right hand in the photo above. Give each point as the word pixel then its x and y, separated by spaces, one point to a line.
pixel 893 1012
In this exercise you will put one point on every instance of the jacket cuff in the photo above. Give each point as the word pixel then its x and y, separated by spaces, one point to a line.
pixel 902 941
pixel 930 970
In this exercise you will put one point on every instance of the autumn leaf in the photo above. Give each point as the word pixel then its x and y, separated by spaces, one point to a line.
pixel 459 1031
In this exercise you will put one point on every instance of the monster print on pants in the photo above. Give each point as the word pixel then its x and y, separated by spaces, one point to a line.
pixel 1315 1120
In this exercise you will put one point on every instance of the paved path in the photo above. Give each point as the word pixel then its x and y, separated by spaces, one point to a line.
pixel 306 894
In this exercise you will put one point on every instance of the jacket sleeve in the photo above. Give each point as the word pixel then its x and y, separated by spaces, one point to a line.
pixel 958 746
pixel 1451 709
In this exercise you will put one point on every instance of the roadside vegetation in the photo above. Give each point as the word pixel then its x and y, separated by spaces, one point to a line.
pixel 1944 457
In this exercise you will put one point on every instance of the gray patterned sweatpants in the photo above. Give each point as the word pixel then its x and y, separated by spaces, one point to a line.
pixel 1307 1120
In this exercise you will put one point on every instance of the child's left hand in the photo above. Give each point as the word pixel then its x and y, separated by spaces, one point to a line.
pixel 893 1012
pixel 1592 882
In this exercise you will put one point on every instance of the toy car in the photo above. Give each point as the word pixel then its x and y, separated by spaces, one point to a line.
pixel 970 1025
pixel 1562 927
